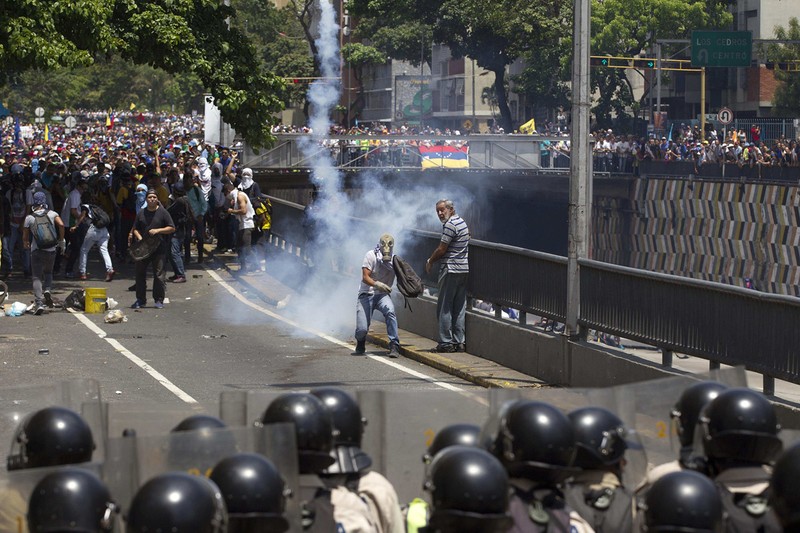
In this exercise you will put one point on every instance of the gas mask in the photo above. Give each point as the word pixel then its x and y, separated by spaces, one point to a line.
pixel 386 246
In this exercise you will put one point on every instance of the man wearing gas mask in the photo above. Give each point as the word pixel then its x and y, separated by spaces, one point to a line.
pixel 377 277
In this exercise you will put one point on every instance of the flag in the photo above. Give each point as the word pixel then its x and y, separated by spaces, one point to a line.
pixel 670 132
pixel 444 156
pixel 529 127
pixel 133 106
pixel 110 119
pixel 46 133
pixel 17 131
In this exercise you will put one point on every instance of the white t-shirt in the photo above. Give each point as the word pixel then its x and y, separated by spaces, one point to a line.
pixel 381 271
pixel 73 202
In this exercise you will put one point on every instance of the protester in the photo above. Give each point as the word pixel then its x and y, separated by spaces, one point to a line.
pixel 377 277
pixel 42 259
pixel 152 222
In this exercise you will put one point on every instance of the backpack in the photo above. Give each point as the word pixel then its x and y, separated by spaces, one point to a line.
pixel 100 218
pixel 408 281
pixel 44 231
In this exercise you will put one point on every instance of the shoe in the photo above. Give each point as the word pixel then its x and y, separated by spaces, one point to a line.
pixel 361 348
pixel 48 299
pixel 110 275
pixel 84 277
pixel 179 279
pixel 159 304
pixel 172 278
pixel 444 348
pixel 137 305
pixel 461 347
pixel 39 310
pixel 394 351
pixel 132 288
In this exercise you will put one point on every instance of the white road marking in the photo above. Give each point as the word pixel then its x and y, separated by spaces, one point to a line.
pixel 158 376
pixel 328 338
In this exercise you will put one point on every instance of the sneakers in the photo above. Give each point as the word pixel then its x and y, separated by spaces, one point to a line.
pixel 137 305
pixel 361 347
pixel 48 299
pixel 444 348
pixel 84 277
pixel 172 278
pixel 461 347
pixel 159 304
pixel 394 351
pixel 179 279
pixel 110 275
pixel 39 310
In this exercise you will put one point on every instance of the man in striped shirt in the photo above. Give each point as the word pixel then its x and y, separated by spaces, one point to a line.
pixel 453 250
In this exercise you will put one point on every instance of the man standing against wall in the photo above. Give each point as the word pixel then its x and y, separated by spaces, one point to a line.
pixel 451 306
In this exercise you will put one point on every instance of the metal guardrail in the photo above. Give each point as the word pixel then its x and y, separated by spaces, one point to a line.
pixel 721 323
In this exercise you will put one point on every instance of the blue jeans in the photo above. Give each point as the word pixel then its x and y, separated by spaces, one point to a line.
pixel 366 306
pixel 12 237
pixel 175 257
pixel 451 307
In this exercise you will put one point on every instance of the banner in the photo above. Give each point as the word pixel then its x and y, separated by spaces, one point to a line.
pixel 444 156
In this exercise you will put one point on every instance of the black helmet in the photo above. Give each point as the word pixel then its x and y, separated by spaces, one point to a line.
pixel 469 491
pixel 177 502
pixel 687 410
pixel 71 499
pixel 534 440
pixel 741 425
pixel 52 436
pixel 600 437
pixel 313 428
pixel 452 435
pixel 200 440
pixel 254 492
pixel 195 422
pixel 685 502
pixel 785 498
pixel 348 428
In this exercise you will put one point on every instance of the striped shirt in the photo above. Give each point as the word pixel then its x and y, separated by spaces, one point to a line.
pixel 455 234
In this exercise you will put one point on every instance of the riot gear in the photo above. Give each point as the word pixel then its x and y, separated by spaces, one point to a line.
pixel 687 409
pixel 348 427
pixel 740 425
pixel 177 502
pixel 600 437
pixel 534 440
pixel 684 501
pixel 313 427
pixel 197 422
pixel 71 499
pixel 50 437
pixel 785 497
pixel 200 440
pixel 454 434
pixel 254 492
pixel 469 491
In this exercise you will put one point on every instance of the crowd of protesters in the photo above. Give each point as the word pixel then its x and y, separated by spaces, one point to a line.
pixel 116 166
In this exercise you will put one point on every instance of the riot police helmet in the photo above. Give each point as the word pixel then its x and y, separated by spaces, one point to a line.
pixel 683 502
pixel 198 422
pixel 687 409
pixel 254 493
pixel 200 438
pixel 453 435
pixel 71 499
pixel 469 491
pixel 740 426
pixel 600 437
pixel 52 436
pixel 313 428
pixel 534 440
pixel 785 498
pixel 175 501
pixel 348 429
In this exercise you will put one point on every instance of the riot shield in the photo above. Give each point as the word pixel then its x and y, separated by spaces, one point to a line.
pixel 81 396
pixel 133 459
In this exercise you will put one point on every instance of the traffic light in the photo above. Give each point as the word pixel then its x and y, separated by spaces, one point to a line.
pixel 596 61
pixel 644 63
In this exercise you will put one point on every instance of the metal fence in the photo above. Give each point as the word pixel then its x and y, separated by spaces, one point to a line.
pixel 721 323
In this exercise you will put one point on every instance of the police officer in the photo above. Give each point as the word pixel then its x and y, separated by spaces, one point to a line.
pixel 351 470
pixel 322 510
pixel 469 492
pixel 785 497
pixel 71 499
pixel 536 444
pixel 198 442
pixel 254 492
pixel 452 435
pixel 176 501
pixel 682 501
pixel 597 492
pixel 740 438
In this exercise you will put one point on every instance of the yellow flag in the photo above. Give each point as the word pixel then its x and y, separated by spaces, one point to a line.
pixel 133 106
pixel 108 121
pixel 528 127
pixel 46 133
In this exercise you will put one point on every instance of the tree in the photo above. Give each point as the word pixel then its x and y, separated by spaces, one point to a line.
pixel 786 100
pixel 176 36
pixel 358 57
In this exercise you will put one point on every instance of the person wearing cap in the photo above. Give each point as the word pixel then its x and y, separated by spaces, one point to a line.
pixel 153 222
pixel 42 260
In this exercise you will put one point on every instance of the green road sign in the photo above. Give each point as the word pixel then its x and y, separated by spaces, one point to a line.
pixel 722 48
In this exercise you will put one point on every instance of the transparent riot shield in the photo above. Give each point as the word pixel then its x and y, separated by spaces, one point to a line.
pixel 16 488
pixel 133 459
pixel 149 418
pixel 81 396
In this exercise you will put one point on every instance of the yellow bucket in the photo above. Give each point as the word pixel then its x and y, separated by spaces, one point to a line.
pixel 95 301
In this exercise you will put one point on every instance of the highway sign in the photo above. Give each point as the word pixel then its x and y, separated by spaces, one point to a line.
pixel 725 116
pixel 722 48
pixel 39 111
pixel 70 122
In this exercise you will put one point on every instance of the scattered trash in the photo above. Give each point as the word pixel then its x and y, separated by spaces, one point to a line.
pixel 188 297
pixel 112 303
pixel 76 299
pixel 118 392
pixel 196 276
pixel 44 351
pixel 114 317
pixel 16 309
pixel 214 336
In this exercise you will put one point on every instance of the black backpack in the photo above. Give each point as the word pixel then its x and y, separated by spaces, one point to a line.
pixel 408 281
pixel 100 218
pixel 44 231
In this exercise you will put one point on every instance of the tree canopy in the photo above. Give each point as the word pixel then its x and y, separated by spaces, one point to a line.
pixel 787 94
pixel 177 36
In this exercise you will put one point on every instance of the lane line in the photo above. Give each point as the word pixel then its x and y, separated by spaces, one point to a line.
pixel 236 294
pixel 155 374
